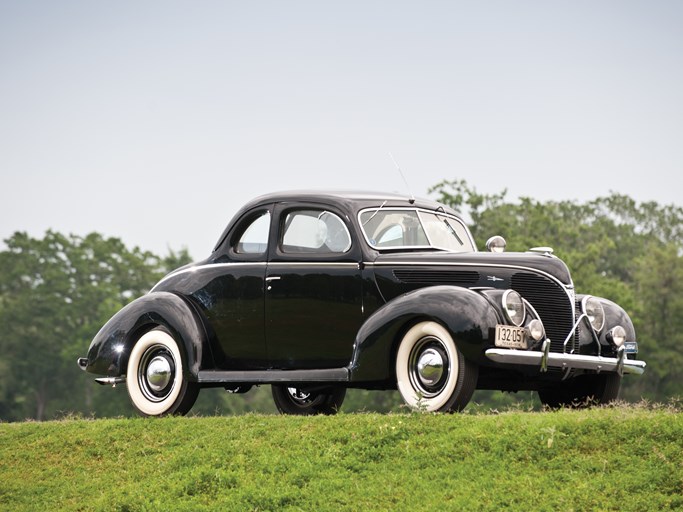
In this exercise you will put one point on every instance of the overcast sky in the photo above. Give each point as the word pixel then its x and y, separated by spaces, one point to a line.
pixel 155 121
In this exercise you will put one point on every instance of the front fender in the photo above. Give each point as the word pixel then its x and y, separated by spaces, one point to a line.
pixel 109 350
pixel 615 315
pixel 467 315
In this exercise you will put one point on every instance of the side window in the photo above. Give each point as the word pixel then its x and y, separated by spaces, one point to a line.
pixel 254 239
pixel 315 231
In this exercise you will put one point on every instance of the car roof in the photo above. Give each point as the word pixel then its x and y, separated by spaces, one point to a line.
pixel 362 199
pixel 353 200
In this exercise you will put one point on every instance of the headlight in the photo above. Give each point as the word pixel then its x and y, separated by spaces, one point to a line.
pixel 536 330
pixel 616 335
pixel 592 308
pixel 513 305
pixel 496 244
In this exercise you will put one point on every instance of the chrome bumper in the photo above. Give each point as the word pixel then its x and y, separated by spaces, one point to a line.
pixel 620 365
pixel 104 381
pixel 110 381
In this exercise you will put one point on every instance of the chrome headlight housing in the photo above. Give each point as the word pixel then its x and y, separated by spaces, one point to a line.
pixel 496 244
pixel 617 335
pixel 592 308
pixel 513 305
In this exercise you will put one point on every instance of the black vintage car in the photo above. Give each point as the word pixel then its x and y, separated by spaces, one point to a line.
pixel 317 292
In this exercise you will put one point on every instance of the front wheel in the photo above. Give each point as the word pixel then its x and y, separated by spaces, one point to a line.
pixel 292 400
pixel 582 391
pixel 155 378
pixel 431 373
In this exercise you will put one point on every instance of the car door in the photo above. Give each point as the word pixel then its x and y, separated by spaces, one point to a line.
pixel 233 297
pixel 313 298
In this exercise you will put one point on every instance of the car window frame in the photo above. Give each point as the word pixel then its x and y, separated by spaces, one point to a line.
pixel 241 226
pixel 279 216
pixel 417 210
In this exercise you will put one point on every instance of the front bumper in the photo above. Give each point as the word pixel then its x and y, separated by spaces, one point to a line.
pixel 546 359
pixel 113 381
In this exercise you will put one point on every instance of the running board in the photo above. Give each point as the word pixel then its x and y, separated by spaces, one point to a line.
pixel 273 376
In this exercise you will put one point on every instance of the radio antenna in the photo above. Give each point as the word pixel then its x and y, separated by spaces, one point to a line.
pixel 412 197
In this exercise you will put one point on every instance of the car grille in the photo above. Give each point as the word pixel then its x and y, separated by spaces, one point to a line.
pixel 457 278
pixel 553 305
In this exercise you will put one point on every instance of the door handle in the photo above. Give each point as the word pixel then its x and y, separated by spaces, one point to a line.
pixel 269 279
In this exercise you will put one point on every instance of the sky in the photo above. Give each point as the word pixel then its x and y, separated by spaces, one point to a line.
pixel 155 121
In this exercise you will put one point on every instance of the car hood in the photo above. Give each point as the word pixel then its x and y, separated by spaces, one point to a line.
pixel 544 263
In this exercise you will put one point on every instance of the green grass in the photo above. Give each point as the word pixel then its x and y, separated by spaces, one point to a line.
pixel 622 458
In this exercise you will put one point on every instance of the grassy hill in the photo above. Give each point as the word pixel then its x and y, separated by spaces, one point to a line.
pixel 622 458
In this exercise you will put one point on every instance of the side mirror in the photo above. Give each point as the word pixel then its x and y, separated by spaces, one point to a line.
pixel 496 244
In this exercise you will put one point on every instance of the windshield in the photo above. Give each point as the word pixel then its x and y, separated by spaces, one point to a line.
pixel 407 228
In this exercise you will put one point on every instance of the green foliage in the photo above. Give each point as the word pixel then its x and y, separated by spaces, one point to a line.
pixel 615 248
pixel 658 318
pixel 57 292
pixel 603 459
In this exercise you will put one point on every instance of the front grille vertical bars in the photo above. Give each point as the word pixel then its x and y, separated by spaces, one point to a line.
pixel 553 305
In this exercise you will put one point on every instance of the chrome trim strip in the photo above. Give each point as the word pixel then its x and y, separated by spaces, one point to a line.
pixel 566 361
pixel 297 264
pixel 278 264
pixel 533 310
pixel 582 316
pixel 466 264
pixel 274 376
pixel 199 268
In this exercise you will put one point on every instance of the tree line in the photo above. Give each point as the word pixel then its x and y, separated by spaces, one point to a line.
pixel 58 290
pixel 628 252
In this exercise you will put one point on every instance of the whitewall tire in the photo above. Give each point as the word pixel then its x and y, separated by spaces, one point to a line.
pixel 155 376
pixel 431 373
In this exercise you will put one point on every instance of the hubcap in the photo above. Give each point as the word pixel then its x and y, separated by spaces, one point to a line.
pixel 430 367
pixel 156 373
pixel 298 395
pixel 159 373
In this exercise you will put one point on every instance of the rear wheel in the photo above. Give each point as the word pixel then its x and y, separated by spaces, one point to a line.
pixel 582 391
pixel 431 373
pixel 293 400
pixel 155 378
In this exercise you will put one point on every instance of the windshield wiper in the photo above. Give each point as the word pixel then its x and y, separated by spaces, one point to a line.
pixel 450 228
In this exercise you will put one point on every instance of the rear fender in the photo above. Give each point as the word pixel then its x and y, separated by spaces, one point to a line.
pixel 467 315
pixel 109 350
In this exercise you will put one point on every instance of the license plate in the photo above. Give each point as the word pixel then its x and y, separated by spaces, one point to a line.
pixel 631 347
pixel 510 337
